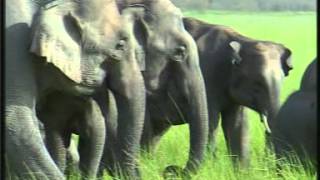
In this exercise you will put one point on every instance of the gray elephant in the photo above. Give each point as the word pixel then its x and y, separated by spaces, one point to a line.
pixel 295 129
pixel 74 45
pixel 63 115
pixel 171 67
pixel 238 71
pixel 72 153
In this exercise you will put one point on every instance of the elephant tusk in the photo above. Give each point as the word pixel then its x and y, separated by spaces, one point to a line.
pixel 265 122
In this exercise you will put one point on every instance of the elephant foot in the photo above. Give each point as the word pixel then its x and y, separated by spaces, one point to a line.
pixel 172 172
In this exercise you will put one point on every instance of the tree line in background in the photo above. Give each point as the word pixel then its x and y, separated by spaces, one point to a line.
pixel 252 5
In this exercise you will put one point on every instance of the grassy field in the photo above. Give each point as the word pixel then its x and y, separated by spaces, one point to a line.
pixel 297 31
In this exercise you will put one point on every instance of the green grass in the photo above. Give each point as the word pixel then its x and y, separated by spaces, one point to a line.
pixel 297 31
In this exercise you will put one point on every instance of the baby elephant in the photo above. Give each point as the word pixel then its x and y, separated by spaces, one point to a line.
pixel 296 124
pixel 63 115
pixel 238 71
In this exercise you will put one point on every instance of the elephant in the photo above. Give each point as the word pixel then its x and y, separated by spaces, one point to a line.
pixel 63 115
pixel 238 71
pixel 72 154
pixel 295 129
pixel 171 67
pixel 309 79
pixel 66 47
pixel 68 115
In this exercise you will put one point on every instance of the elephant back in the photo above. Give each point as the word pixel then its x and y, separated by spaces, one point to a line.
pixel 309 78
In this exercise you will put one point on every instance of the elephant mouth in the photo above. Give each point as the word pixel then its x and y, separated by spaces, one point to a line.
pixel 92 85
pixel 85 89
pixel 264 120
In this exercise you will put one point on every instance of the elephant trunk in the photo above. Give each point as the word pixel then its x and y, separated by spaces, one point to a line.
pixel 273 107
pixel 193 88
pixel 272 113
pixel 129 91
pixel 198 122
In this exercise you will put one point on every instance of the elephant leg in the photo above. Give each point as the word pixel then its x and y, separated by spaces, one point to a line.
pixel 235 129
pixel 56 142
pixel 281 151
pixel 152 133
pixel 25 150
pixel 108 161
pixel 157 135
pixel 109 109
pixel 92 139
pixel 213 129
pixel 72 158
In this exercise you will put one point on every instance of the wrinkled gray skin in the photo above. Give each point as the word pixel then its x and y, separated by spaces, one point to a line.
pixel 296 123
pixel 75 42
pixel 238 72
pixel 72 153
pixel 63 115
pixel 171 67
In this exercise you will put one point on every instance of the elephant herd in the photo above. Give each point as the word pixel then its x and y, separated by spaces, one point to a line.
pixel 120 73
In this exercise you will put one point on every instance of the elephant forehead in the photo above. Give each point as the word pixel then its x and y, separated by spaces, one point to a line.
pixel 269 52
pixel 103 30
pixel 101 14
pixel 111 27
pixel 272 64
pixel 94 9
pixel 166 6
pixel 111 13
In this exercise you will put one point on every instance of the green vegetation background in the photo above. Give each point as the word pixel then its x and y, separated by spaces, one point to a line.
pixel 297 31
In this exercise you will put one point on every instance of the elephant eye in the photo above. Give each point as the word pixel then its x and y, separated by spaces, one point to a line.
pixel 179 53
pixel 121 45
pixel 181 50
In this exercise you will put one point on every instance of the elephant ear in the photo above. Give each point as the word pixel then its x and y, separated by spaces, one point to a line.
pixel 236 46
pixel 141 33
pixel 286 61
pixel 56 37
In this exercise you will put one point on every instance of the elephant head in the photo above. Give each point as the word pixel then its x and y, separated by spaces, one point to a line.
pixel 78 38
pixel 258 69
pixel 171 57
pixel 90 42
